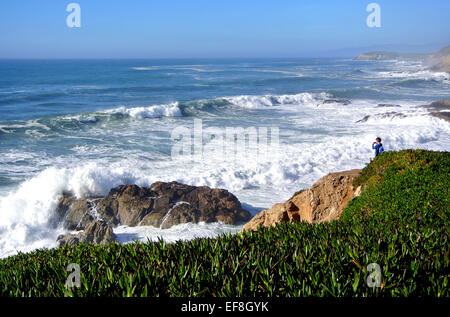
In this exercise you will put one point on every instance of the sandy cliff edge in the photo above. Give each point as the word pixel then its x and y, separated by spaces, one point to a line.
pixel 323 201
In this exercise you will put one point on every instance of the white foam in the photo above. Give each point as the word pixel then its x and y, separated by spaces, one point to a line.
pixel 260 102
pixel 155 111
pixel 10 128
pixel 184 232
pixel 143 68
pixel 420 74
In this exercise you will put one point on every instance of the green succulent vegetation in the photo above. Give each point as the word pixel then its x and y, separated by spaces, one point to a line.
pixel 400 221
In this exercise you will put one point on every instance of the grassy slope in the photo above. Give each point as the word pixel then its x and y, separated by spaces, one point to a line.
pixel 381 226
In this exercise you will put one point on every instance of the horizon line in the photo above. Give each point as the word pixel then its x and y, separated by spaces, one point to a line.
pixel 159 58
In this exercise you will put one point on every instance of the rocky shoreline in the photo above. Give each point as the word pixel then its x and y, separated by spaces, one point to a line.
pixel 164 205
pixel 161 205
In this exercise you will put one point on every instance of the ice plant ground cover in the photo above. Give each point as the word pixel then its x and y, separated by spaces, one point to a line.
pixel 400 221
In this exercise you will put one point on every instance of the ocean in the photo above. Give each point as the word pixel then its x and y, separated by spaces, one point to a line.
pixel 86 126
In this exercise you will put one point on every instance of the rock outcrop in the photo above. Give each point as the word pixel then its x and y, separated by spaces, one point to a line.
pixel 96 232
pixel 161 205
pixel 323 201
pixel 439 109
pixel 344 102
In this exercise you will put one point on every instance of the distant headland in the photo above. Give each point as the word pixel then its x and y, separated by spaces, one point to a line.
pixel 438 61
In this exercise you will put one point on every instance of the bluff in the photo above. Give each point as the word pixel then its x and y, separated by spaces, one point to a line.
pixel 323 201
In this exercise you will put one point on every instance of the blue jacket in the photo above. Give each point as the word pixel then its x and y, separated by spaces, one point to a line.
pixel 378 148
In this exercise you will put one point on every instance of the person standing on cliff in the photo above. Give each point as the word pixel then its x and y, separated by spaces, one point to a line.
pixel 377 146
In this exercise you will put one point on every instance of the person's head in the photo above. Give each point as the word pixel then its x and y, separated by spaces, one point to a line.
pixel 378 140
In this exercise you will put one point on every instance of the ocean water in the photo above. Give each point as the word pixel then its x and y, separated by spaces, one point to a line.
pixel 85 126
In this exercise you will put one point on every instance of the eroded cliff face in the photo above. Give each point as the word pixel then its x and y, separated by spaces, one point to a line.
pixel 323 201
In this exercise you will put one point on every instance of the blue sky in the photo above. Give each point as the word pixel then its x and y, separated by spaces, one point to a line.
pixel 218 28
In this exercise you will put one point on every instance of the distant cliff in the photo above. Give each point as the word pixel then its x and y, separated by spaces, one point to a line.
pixel 380 56
pixel 443 66
pixel 438 61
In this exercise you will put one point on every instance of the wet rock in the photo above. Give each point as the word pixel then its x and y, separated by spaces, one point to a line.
pixel 79 215
pixel 387 105
pixel 96 232
pixel 439 109
pixel 161 205
pixel 65 202
pixel 363 119
pixel 340 101
pixel 133 203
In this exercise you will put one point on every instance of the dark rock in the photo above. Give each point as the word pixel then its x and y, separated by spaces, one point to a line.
pixel 64 204
pixel 162 205
pixel 439 109
pixel 390 114
pixel 79 215
pixel 441 115
pixel 363 119
pixel 387 105
pixel 134 203
pixel 182 212
pixel 341 101
pixel 439 105
pixel 108 209
pixel 96 232
pixel 68 239
pixel 212 204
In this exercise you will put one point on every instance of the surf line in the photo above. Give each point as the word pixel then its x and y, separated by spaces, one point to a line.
pixel 231 144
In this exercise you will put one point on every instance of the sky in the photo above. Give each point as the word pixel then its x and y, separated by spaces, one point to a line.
pixel 219 28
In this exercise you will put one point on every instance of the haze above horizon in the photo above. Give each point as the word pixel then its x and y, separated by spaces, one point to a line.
pixel 225 29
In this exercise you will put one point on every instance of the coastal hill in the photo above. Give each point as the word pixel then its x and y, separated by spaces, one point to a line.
pixel 438 61
pixel 396 219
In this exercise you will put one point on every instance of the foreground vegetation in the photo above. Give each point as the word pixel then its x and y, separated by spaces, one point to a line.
pixel 400 221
